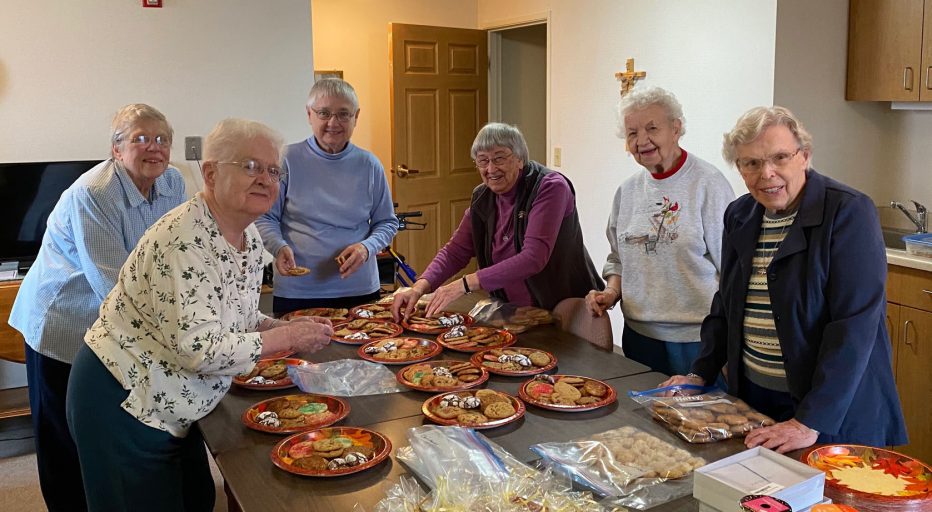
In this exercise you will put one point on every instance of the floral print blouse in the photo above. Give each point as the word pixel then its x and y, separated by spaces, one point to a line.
pixel 181 321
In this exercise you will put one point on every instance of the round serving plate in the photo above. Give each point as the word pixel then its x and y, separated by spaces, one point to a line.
pixel 393 328
pixel 432 404
pixel 262 365
pixel 872 479
pixel 411 375
pixel 535 390
pixel 334 314
pixel 312 409
pixel 485 357
pixel 433 327
pixel 288 453
pixel 426 348
pixel 497 338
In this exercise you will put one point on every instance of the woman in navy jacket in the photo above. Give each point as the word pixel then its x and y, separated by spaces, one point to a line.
pixel 799 318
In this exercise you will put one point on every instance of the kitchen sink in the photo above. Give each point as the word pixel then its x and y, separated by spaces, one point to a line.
pixel 893 238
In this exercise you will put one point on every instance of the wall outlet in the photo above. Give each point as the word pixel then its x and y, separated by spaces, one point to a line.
pixel 192 148
pixel 557 156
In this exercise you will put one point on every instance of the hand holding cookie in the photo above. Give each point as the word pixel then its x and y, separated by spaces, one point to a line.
pixel 309 336
pixel 351 258
pixel 284 260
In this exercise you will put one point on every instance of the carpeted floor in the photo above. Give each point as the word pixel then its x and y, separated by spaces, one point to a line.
pixel 19 482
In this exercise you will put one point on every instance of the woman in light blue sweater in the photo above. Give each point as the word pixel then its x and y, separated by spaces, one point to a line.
pixel 334 211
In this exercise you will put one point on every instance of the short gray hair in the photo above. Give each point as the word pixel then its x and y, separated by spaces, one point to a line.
pixel 224 141
pixel 332 87
pixel 501 135
pixel 130 116
pixel 640 99
pixel 753 122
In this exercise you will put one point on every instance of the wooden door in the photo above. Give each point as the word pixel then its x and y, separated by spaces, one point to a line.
pixel 893 323
pixel 439 91
pixel 884 50
pixel 914 365
pixel 924 80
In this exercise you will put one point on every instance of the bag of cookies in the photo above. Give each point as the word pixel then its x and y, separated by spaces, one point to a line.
pixel 505 315
pixel 700 414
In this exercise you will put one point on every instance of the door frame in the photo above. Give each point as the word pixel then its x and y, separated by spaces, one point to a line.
pixel 495 29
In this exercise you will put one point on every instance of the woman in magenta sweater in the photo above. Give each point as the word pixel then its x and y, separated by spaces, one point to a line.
pixel 523 229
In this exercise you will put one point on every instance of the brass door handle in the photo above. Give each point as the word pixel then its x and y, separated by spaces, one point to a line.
pixel 402 171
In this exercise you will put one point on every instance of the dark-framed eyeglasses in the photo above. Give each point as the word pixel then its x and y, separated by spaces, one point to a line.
pixel 254 168
pixel 342 115
pixel 144 140
pixel 483 163
pixel 754 166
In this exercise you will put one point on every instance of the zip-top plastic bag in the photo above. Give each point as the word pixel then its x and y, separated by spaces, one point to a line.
pixel 700 414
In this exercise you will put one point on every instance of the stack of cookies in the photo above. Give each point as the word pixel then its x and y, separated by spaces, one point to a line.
pixel 473 408
pixel 526 317
pixel 699 419
pixel 565 390
pixel 514 359
pixel 364 329
pixel 462 337
pixel 441 374
pixel 399 349
pixel 329 454
pixel 377 311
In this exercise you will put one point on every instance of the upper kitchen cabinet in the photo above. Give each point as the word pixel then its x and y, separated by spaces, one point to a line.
pixel 889 50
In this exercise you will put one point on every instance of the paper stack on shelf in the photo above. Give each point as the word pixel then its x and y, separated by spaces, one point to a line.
pixel 720 485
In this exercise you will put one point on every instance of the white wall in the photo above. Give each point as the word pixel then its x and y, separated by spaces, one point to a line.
pixel 717 56
pixel 881 152
pixel 66 67
pixel 352 36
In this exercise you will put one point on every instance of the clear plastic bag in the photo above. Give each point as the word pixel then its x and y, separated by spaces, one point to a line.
pixel 700 414
pixel 505 315
pixel 627 466
pixel 345 377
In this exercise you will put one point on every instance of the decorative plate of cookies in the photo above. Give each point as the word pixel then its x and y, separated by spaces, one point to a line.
pixel 436 325
pixel 334 314
pixel 295 413
pixel 481 408
pixel 372 311
pixel 362 330
pixel 441 376
pixel 464 338
pixel 270 374
pixel 333 451
pixel 399 350
pixel 514 361
pixel 281 354
pixel 569 393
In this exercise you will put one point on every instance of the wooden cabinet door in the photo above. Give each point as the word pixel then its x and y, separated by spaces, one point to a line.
pixel 885 50
pixel 893 323
pixel 12 344
pixel 913 370
pixel 925 72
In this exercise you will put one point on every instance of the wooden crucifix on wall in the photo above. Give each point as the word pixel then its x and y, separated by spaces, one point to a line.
pixel 629 76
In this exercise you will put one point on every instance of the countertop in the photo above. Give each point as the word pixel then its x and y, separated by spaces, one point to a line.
pixel 903 259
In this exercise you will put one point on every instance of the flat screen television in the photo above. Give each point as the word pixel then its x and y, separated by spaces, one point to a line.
pixel 28 193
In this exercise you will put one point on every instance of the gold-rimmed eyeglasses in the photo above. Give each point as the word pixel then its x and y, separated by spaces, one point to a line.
pixel 754 166
pixel 482 163
pixel 342 115
pixel 253 168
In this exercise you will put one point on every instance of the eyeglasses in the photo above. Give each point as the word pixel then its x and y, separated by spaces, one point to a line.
pixel 342 116
pixel 753 166
pixel 145 140
pixel 254 168
pixel 483 163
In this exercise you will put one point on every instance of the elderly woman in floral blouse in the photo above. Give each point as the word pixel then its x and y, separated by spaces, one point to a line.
pixel 182 320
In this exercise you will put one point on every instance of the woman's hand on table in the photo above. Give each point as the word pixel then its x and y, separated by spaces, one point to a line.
pixel 284 260
pixel 405 302
pixel 351 259
pixel 783 437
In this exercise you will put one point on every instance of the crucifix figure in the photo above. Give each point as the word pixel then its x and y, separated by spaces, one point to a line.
pixel 629 76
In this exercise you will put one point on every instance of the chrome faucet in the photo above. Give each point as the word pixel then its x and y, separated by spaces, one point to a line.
pixel 919 220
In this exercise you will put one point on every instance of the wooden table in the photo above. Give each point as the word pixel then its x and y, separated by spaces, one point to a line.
pixel 254 484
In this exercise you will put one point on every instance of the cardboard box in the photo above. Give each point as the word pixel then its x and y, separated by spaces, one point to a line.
pixel 758 471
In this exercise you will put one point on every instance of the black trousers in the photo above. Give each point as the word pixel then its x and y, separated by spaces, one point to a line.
pixel 282 305
pixel 56 455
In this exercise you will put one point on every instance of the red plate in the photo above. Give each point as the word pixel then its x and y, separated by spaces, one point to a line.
pixel 375 309
pixel 334 314
pixel 337 409
pixel 281 354
pixel 610 395
pixel 429 328
pixel 395 331
pixel 426 366
pixel 362 439
pixel 284 382
pixel 433 348
pixel 432 403
pixel 506 339
pixel 835 459
pixel 479 358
